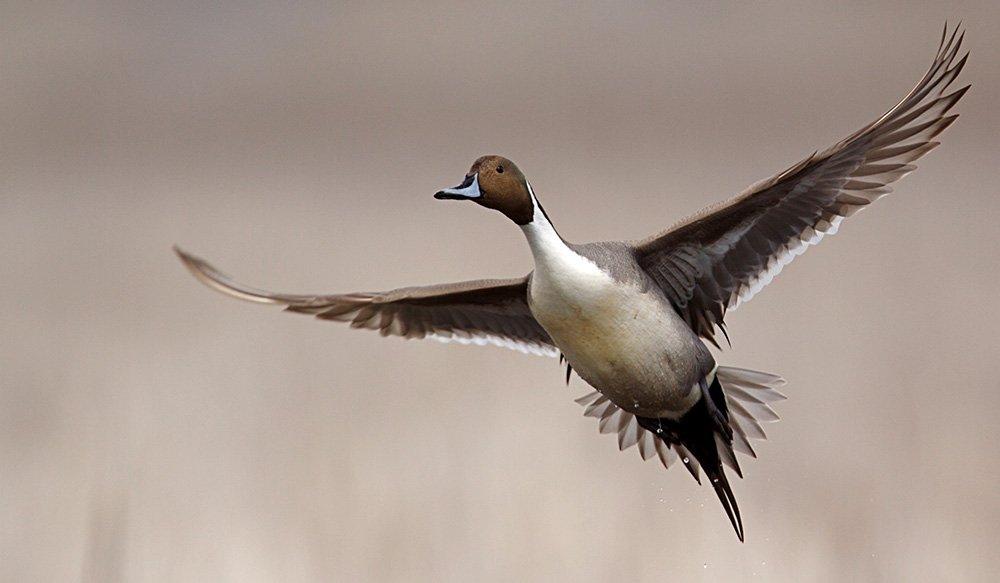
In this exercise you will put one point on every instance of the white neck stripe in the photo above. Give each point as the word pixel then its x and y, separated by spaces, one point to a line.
pixel 542 237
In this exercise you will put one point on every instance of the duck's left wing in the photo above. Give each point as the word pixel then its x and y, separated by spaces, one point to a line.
pixel 725 254
pixel 470 312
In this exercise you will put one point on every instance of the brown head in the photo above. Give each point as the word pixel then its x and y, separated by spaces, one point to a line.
pixel 495 182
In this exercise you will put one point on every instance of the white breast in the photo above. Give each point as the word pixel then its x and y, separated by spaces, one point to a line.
pixel 621 339
pixel 564 280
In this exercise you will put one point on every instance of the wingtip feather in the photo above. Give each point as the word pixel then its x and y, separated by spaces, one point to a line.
pixel 207 274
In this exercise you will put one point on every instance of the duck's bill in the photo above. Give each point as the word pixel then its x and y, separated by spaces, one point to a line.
pixel 469 189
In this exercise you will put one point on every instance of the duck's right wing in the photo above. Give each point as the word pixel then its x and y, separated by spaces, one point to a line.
pixel 470 312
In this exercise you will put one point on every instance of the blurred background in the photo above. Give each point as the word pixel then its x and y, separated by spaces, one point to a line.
pixel 151 430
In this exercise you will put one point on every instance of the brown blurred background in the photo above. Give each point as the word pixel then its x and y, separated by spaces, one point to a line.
pixel 151 430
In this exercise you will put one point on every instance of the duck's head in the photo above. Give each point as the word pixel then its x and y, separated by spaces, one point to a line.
pixel 497 183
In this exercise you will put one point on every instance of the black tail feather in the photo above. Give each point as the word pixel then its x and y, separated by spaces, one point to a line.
pixel 727 455
pixel 725 494
pixel 689 461
pixel 703 437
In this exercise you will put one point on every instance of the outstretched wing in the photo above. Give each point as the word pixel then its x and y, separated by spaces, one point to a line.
pixel 725 254
pixel 471 312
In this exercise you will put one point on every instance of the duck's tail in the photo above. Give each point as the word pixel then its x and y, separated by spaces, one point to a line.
pixel 731 408
pixel 747 398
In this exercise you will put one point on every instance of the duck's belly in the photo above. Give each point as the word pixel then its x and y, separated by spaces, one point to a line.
pixel 627 343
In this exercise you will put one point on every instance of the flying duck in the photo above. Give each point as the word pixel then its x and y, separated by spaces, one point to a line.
pixel 632 319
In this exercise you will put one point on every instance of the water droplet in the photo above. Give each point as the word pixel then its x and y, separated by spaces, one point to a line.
pixel 685 460
pixel 659 430
pixel 704 565
pixel 635 404
pixel 762 563
pixel 715 480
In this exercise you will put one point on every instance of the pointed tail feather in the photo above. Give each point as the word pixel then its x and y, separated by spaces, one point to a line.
pixel 725 494
pixel 702 437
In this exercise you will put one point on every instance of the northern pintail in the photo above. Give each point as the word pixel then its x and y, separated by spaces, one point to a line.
pixel 633 318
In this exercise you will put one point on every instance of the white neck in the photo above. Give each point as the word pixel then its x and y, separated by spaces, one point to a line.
pixel 546 245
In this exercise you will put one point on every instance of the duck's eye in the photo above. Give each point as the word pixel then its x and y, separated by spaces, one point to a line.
pixel 499 169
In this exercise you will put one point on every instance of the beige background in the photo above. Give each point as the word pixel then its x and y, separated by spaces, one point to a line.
pixel 153 431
